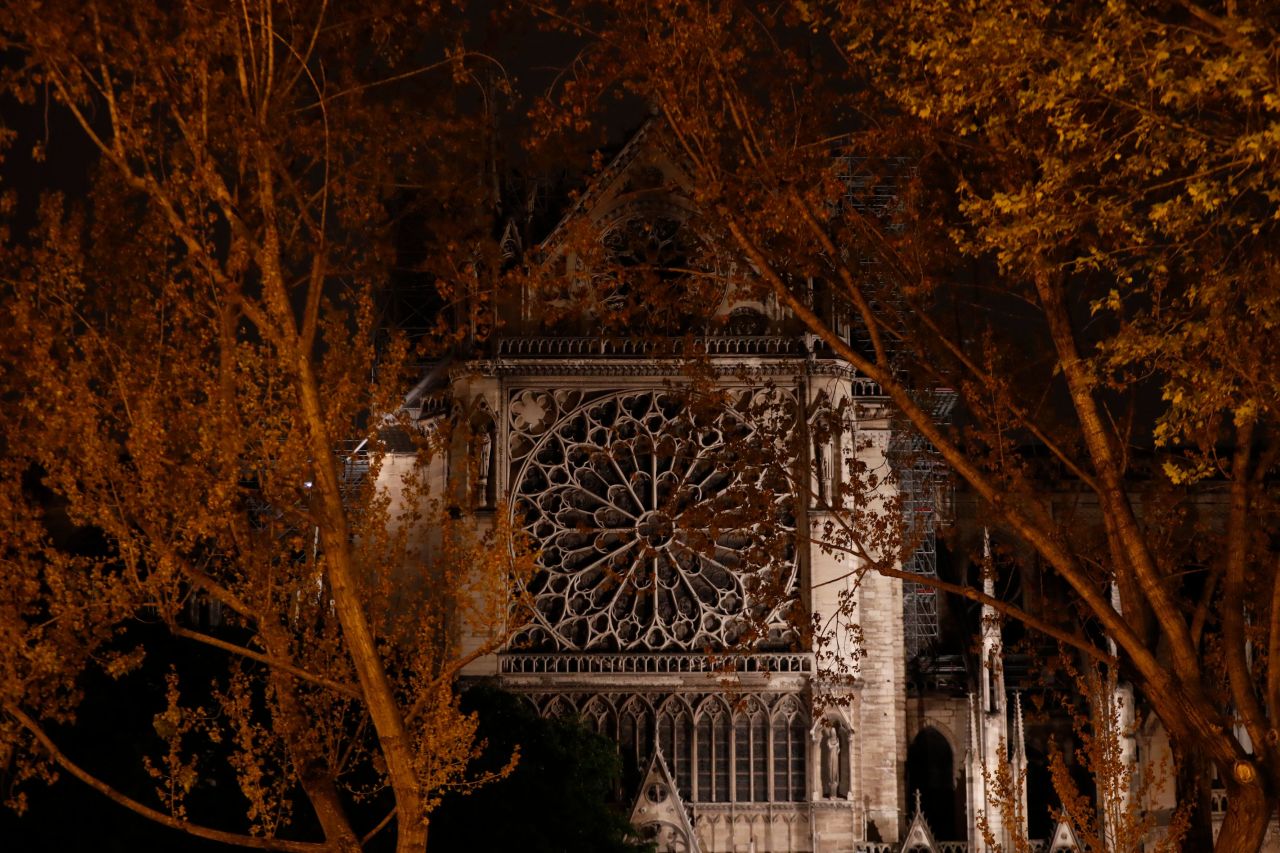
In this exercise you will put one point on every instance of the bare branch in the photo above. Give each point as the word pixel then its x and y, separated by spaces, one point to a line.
pixel 159 817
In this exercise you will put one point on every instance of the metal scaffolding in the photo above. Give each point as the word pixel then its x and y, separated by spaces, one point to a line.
pixel 924 486
pixel 872 189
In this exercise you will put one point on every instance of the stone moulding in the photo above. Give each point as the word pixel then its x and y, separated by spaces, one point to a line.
pixel 730 356
pixel 513 663
pixel 631 347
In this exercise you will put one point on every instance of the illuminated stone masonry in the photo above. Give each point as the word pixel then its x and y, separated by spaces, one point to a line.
pixel 677 479
pixel 674 486
pixel 664 535
pixel 619 490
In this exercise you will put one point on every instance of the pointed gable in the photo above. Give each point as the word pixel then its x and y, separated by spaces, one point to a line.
pixel 1064 839
pixel 646 173
pixel 919 836
pixel 659 814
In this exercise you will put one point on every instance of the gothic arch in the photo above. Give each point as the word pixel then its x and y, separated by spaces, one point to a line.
pixel 712 757
pixel 751 751
pixel 790 729
pixel 712 704
pixel 599 715
pixel 957 746
pixel 675 741
pixel 930 770
pixel 559 706
pixel 635 737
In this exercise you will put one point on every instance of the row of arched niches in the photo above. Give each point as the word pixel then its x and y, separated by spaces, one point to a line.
pixel 719 748
pixel 751 748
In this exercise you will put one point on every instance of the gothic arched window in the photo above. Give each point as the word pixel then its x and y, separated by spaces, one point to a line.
pixel 713 758
pixel 675 739
pixel 559 707
pixel 635 735
pixel 790 729
pixel 751 753
pixel 598 715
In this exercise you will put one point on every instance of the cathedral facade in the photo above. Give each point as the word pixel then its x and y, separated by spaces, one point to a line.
pixel 602 464
pixel 689 604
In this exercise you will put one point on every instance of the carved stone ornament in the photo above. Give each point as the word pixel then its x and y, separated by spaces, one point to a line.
pixel 617 490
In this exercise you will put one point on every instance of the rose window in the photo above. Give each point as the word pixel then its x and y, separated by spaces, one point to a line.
pixel 631 499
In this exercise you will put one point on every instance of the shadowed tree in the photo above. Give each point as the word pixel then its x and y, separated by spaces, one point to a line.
pixel 1067 215
pixel 189 353
pixel 559 799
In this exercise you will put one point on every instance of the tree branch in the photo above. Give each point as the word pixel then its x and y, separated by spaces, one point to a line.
pixel 267 660
pixel 146 811
pixel 1239 678
pixel 1117 510
pixel 1181 715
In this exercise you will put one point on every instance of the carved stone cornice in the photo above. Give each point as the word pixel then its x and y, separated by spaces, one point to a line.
pixel 646 367
pixel 730 368
pixel 656 684
pixel 656 663
pixel 630 347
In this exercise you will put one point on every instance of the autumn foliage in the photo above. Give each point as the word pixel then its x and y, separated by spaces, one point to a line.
pixel 1066 214
pixel 196 371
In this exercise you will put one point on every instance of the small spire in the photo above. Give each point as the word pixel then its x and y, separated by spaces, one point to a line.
pixel 1019 733
pixel 988 569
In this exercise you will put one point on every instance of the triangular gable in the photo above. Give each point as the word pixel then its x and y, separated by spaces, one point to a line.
pixel 616 184
pixel 1064 839
pixel 659 810
pixel 919 836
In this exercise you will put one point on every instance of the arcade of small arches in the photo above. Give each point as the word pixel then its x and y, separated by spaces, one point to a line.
pixel 720 749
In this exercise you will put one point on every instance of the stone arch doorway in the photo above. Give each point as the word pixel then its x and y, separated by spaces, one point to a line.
pixel 931 770
pixel 1041 797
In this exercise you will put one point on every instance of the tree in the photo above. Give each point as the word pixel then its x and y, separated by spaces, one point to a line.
pixel 1082 246
pixel 189 353
pixel 559 798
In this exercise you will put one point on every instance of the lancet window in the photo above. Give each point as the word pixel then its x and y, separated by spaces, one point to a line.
pixel 675 739
pixel 751 753
pixel 713 757
pixel 635 731
pixel 790 730
pixel 600 718
pixel 754 751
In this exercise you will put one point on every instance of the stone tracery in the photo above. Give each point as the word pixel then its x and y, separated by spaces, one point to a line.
pixel 750 751
pixel 620 491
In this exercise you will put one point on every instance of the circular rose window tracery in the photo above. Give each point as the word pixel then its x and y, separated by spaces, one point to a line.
pixel 625 496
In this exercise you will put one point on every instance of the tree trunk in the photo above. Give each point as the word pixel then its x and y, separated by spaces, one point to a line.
pixel 313 775
pixel 296 343
pixel 1245 823
pixel 1193 786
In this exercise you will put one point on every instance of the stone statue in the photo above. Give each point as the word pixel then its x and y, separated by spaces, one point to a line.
pixel 485 454
pixel 832 765
pixel 821 465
